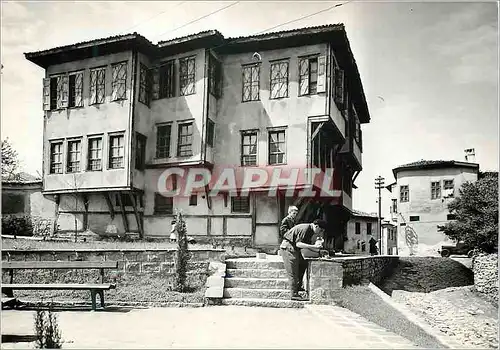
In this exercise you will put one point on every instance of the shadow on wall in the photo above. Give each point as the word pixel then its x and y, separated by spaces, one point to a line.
pixel 427 274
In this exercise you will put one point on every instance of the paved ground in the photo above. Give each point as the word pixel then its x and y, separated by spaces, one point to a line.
pixel 211 327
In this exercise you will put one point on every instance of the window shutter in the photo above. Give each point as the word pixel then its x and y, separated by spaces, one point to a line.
pixel 321 87
pixel 339 86
pixel 303 76
pixel 65 91
pixel 155 94
pixel 46 94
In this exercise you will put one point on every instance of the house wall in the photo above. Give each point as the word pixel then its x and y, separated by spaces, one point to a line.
pixel 431 212
pixel 292 112
pixel 110 116
pixel 389 240
pixel 351 245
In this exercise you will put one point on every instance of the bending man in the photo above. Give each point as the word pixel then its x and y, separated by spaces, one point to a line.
pixel 295 239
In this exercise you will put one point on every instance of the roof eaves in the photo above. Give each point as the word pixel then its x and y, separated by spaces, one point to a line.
pixel 186 38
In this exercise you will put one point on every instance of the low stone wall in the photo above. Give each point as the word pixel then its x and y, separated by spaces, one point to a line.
pixel 142 275
pixel 485 268
pixel 327 276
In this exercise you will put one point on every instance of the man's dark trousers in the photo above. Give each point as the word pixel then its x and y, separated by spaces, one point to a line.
pixel 292 259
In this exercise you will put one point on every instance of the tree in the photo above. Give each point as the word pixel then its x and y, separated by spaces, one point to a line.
pixel 476 212
pixel 10 161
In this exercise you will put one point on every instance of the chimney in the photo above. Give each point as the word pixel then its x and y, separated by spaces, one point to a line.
pixel 470 155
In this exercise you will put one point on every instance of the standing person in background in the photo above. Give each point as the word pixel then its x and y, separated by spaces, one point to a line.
pixel 299 237
pixel 289 221
pixel 373 246
pixel 173 232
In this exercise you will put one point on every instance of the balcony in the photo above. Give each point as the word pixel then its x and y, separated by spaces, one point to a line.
pixel 352 153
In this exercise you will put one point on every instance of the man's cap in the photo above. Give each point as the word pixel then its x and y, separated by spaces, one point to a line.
pixel 293 207
pixel 321 223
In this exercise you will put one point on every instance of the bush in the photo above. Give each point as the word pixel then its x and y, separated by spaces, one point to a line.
pixel 17 226
pixel 182 256
pixel 48 335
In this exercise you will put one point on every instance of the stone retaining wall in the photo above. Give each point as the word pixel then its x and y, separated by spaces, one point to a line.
pixel 485 268
pixel 327 276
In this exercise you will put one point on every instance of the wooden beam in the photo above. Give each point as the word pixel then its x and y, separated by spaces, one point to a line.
pixel 254 213
pixel 110 205
pixel 86 213
pixel 316 132
pixel 56 217
pixel 209 200
pixel 124 215
pixel 137 216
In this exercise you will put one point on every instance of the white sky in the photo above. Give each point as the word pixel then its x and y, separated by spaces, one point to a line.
pixel 434 65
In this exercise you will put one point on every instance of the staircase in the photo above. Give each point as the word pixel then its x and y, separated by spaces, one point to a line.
pixel 257 282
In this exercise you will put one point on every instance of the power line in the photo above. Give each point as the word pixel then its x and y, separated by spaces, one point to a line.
pixel 303 17
pixel 198 19
pixel 150 18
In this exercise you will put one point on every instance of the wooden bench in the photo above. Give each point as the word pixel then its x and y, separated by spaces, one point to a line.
pixel 95 289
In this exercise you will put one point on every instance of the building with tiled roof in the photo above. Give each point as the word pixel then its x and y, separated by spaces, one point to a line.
pixel 420 198
pixel 121 110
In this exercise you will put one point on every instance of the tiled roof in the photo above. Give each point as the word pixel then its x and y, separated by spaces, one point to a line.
pixel 434 164
pixel 21 177
pixel 189 37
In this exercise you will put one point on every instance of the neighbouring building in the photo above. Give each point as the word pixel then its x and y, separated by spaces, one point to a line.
pixel 360 229
pixel 420 198
pixel 120 111
pixel 389 239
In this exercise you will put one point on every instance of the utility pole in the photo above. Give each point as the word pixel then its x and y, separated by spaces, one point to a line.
pixel 379 183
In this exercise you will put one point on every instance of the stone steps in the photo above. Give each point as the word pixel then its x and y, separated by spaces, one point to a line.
pixel 254 264
pixel 257 293
pixel 256 273
pixel 259 283
pixel 276 303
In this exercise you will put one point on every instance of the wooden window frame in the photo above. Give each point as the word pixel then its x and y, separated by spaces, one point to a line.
pixel 111 164
pixel 404 193
pixel 193 200
pixel 98 85
pixel 144 85
pixel 163 205
pixel 243 156
pixel 163 149
pixel 60 153
pixel 187 77
pixel 140 151
pixel 237 205
pixel 277 79
pixel 75 89
pixel 210 132
pixel 250 85
pixel 435 190
pixel 74 165
pixel 357 228
pixel 98 160
pixel 272 132
pixel 166 80
pixel 119 82
pixel 181 136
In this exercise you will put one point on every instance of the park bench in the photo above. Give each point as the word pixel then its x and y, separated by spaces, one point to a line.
pixel 95 289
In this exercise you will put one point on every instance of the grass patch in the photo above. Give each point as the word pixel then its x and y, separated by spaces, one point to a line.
pixel 361 300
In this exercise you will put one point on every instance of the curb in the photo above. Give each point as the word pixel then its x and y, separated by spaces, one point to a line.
pixel 444 340
pixel 109 304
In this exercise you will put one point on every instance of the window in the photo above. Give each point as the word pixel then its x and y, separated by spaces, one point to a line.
pixel 414 218
pixel 163 205
pixel 193 200
pixel 144 85
pixel 363 246
pixel 12 203
pixel 357 130
pixel 163 141
pixel 95 154
pixel 435 189
pixel 185 140
pixel 74 153
pixel 58 92
pixel 312 75
pixel 279 79
pixel 75 89
pixel 116 151
pixel 249 148
pixel 210 132
pixel 167 80
pixel 251 83
pixel 56 157
pixel 240 204
pixel 214 76
pixel 358 228
pixel 404 193
pixel 140 151
pixel 119 83
pixel 394 206
pixel 451 217
pixel 187 69
pixel 97 85
pixel 449 188
pixel 368 228
pixel 277 147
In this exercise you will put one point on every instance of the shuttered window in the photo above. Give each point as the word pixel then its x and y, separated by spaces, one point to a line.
pixel 144 79
pixel 312 75
pixel 97 85
pixel 119 82
pixel 75 89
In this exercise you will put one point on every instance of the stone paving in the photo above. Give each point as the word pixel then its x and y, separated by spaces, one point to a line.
pixel 211 327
